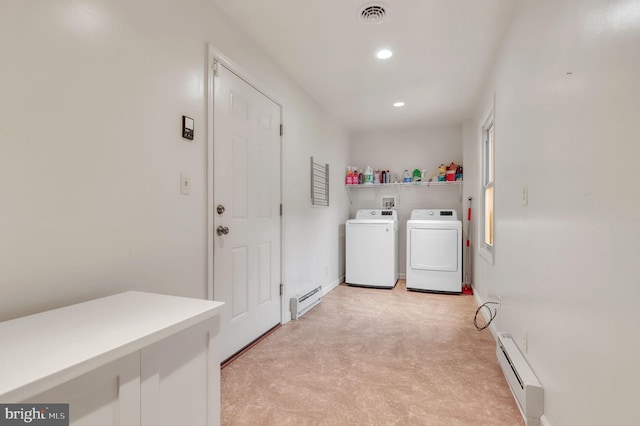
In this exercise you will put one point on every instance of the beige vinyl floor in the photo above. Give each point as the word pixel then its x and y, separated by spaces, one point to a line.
pixel 372 357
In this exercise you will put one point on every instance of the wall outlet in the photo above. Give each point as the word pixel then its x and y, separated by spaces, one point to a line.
pixel 185 184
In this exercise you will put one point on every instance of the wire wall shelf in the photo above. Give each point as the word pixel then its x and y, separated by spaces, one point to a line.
pixel 395 187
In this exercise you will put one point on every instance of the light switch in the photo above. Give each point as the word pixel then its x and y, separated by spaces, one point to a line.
pixel 525 196
pixel 185 184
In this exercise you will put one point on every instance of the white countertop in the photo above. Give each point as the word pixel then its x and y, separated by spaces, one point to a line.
pixel 40 351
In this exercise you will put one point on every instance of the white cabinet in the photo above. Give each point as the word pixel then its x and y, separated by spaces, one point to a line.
pixel 130 359
pixel 180 380
pixel 109 395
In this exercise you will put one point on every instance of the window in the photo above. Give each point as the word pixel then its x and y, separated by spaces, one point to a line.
pixel 488 146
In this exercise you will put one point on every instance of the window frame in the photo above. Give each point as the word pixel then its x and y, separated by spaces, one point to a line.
pixel 487 187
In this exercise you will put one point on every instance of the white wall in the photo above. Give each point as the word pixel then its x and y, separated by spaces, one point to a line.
pixel 566 266
pixel 314 236
pixel 91 153
pixel 407 148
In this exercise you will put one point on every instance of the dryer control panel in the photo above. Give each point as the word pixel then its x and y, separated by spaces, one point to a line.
pixel 434 214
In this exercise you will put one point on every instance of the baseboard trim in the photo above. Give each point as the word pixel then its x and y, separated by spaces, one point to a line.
pixel 326 289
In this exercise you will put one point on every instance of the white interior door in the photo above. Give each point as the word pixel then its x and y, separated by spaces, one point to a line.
pixel 246 252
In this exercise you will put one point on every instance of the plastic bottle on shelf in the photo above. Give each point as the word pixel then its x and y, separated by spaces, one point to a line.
pixel 349 178
pixel 451 172
pixel 442 171
pixel 407 176
pixel 368 175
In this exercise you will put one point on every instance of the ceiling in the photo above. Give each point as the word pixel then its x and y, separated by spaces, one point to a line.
pixel 442 53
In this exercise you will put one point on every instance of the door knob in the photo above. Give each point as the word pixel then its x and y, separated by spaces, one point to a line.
pixel 220 209
pixel 222 230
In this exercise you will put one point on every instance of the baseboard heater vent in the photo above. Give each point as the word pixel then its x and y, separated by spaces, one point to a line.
pixel 301 304
pixel 523 382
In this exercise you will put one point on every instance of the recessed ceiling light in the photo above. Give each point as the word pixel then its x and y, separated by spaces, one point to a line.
pixel 398 104
pixel 384 54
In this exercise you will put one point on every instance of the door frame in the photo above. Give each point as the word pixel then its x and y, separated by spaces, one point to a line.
pixel 214 55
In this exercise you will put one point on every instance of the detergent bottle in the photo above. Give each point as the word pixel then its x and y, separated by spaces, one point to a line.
pixel 368 175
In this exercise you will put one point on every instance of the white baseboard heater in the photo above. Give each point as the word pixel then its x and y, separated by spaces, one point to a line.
pixel 523 382
pixel 301 304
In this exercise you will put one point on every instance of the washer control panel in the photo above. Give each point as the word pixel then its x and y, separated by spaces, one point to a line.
pixel 377 214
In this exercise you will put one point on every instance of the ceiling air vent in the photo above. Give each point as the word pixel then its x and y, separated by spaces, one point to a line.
pixel 373 13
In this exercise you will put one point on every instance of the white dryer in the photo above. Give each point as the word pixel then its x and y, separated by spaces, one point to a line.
pixel 371 252
pixel 434 251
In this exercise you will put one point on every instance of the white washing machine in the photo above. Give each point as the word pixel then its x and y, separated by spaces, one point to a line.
pixel 371 253
pixel 434 251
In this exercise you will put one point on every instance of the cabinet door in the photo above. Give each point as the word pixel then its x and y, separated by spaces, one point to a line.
pixel 107 396
pixel 180 379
